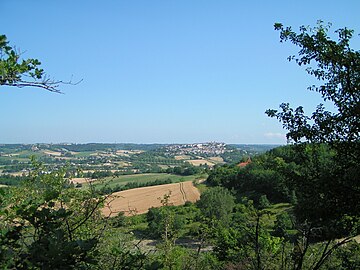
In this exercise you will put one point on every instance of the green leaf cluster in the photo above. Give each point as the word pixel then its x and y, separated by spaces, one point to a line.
pixel 48 224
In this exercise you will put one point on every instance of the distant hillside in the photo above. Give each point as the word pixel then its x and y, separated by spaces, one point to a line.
pixel 255 149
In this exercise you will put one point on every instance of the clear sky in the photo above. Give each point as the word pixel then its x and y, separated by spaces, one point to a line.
pixel 159 71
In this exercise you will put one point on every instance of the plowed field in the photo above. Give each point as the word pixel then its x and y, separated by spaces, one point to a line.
pixel 139 200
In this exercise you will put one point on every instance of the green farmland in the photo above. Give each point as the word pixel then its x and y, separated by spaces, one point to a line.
pixel 112 182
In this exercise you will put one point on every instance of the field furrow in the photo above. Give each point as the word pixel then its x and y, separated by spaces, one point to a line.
pixel 139 200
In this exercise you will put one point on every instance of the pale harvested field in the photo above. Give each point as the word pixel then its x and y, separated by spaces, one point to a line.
pixel 17 173
pixel 81 180
pixel 126 153
pixel 217 159
pixel 357 238
pixel 52 153
pixel 182 157
pixel 10 155
pixel 122 163
pixel 88 171
pixel 198 162
pixel 139 200
pixel 166 166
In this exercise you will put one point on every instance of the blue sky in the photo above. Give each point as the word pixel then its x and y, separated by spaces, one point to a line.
pixel 159 71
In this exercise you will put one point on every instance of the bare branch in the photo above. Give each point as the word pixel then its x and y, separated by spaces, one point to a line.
pixel 48 85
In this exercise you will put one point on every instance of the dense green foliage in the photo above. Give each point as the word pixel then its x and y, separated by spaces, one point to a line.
pixel 319 174
pixel 47 224
pixel 217 204
pixel 294 207
pixel 10 180
pixel 328 186
pixel 66 231
pixel 263 176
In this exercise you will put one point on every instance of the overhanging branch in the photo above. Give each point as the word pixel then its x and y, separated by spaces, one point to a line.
pixel 52 86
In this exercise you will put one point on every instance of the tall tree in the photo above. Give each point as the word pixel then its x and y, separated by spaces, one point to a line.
pixel 217 204
pixel 335 64
pixel 328 186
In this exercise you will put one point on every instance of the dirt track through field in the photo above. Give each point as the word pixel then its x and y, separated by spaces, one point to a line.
pixel 139 200
pixel 182 191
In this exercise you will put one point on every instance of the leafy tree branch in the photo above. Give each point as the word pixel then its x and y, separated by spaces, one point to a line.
pixel 18 72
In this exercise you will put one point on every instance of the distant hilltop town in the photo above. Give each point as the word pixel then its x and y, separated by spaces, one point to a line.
pixel 209 148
